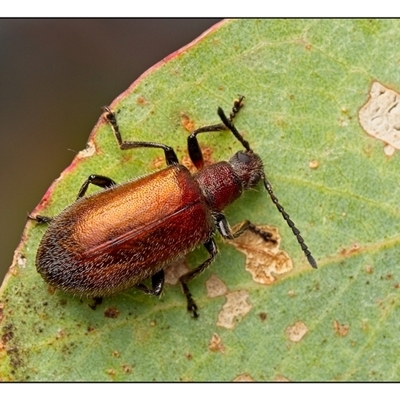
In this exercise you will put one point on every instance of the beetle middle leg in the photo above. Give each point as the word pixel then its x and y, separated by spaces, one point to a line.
pixel 212 249
pixel 226 232
pixel 169 153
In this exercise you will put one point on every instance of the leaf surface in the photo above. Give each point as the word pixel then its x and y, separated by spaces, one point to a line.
pixel 305 82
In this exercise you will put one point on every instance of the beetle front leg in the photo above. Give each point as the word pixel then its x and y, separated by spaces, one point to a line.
pixel 193 145
pixel 157 284
pixel 212 248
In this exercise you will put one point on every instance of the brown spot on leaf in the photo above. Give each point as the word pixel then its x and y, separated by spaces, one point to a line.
pixel 127 368
pixel 263 316
pixel 51 290
pixel 215 287
pixel 111 312
pixel 369 269
pixel 207 155
pixel 296 332
pixel 141 100
pixel 365 325
pixel 60 333
pixel 7 336
pixel 243 378
pixel 264 259
pixel 111 372
pixel 216 344
pixel 380 116
pixel 187 123
pixel 235 308
pixel 207 158
pixel 340 329
pixel 354 248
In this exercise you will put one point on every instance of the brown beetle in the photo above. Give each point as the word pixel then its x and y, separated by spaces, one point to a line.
pixel 117 238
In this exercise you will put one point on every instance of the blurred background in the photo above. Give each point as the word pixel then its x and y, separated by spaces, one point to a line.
pixel 55 74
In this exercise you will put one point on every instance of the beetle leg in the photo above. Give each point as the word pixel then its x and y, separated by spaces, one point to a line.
pixel 212 249
pixel 226 232
pixel 193 145
pixel 40 219
pixel 96 302
pixel 157 284
pixel 170 155
pixel 98 180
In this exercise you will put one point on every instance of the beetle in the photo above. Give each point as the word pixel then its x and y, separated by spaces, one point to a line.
pixel 117 238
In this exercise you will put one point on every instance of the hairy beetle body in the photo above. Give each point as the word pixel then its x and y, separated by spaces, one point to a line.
pixel 119 237
pixel 116 238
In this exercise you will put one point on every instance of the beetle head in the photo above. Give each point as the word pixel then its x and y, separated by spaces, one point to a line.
pixel 248 167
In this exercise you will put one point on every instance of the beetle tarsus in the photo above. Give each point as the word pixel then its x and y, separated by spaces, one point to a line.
pixel 237 105
pixel 40 219
pixel 157 284
pixel 96 302
pixel 193 309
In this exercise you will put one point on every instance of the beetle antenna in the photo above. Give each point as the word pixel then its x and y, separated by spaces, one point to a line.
pixel 228 123
pixel 291 224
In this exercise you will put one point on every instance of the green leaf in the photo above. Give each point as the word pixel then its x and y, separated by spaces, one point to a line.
pixel 305 82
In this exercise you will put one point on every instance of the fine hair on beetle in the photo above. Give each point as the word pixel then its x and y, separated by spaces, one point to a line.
pixel 119 237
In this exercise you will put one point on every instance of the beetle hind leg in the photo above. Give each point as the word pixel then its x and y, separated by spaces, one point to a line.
pixel 212 249
pixel 40 219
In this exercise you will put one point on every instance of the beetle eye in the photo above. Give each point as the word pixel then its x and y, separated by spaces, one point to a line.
pixel 243 157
